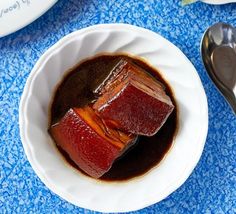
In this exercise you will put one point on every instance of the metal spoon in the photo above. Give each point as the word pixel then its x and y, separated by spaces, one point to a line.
pixel 218 49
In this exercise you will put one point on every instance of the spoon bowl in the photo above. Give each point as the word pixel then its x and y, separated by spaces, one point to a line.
pixel 218 50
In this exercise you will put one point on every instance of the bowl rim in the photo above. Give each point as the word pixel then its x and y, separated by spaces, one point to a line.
pixel 27 19
pixel 41 62
pixel 218 2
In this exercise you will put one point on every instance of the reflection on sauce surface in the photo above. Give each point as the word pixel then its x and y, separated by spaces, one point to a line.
pixel 76 90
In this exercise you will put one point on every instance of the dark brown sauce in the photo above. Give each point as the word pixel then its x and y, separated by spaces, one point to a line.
pixel 76 91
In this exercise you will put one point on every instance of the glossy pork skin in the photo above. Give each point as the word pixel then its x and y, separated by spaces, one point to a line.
pixel 91 145
pixel 133 101
pixel 127 69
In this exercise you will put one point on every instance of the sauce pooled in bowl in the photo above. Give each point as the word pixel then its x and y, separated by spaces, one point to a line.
pixel 98 94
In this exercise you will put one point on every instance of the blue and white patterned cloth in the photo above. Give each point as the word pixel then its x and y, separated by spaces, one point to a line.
pixel 211 188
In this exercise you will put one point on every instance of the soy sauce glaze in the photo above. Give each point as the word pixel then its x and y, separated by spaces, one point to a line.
pixel 76 90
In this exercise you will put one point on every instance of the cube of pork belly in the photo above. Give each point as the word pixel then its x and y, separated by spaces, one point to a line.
pixel 91 145
pixel 126 69
pixel 136 104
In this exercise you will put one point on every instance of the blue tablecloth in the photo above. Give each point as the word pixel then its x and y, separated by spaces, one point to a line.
pixel 211 188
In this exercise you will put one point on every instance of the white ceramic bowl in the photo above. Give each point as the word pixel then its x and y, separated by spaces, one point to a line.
pixel 218 1
pixel 15 15
pixel 139 192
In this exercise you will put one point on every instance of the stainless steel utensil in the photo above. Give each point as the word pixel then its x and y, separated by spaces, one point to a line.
pixel 218 49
